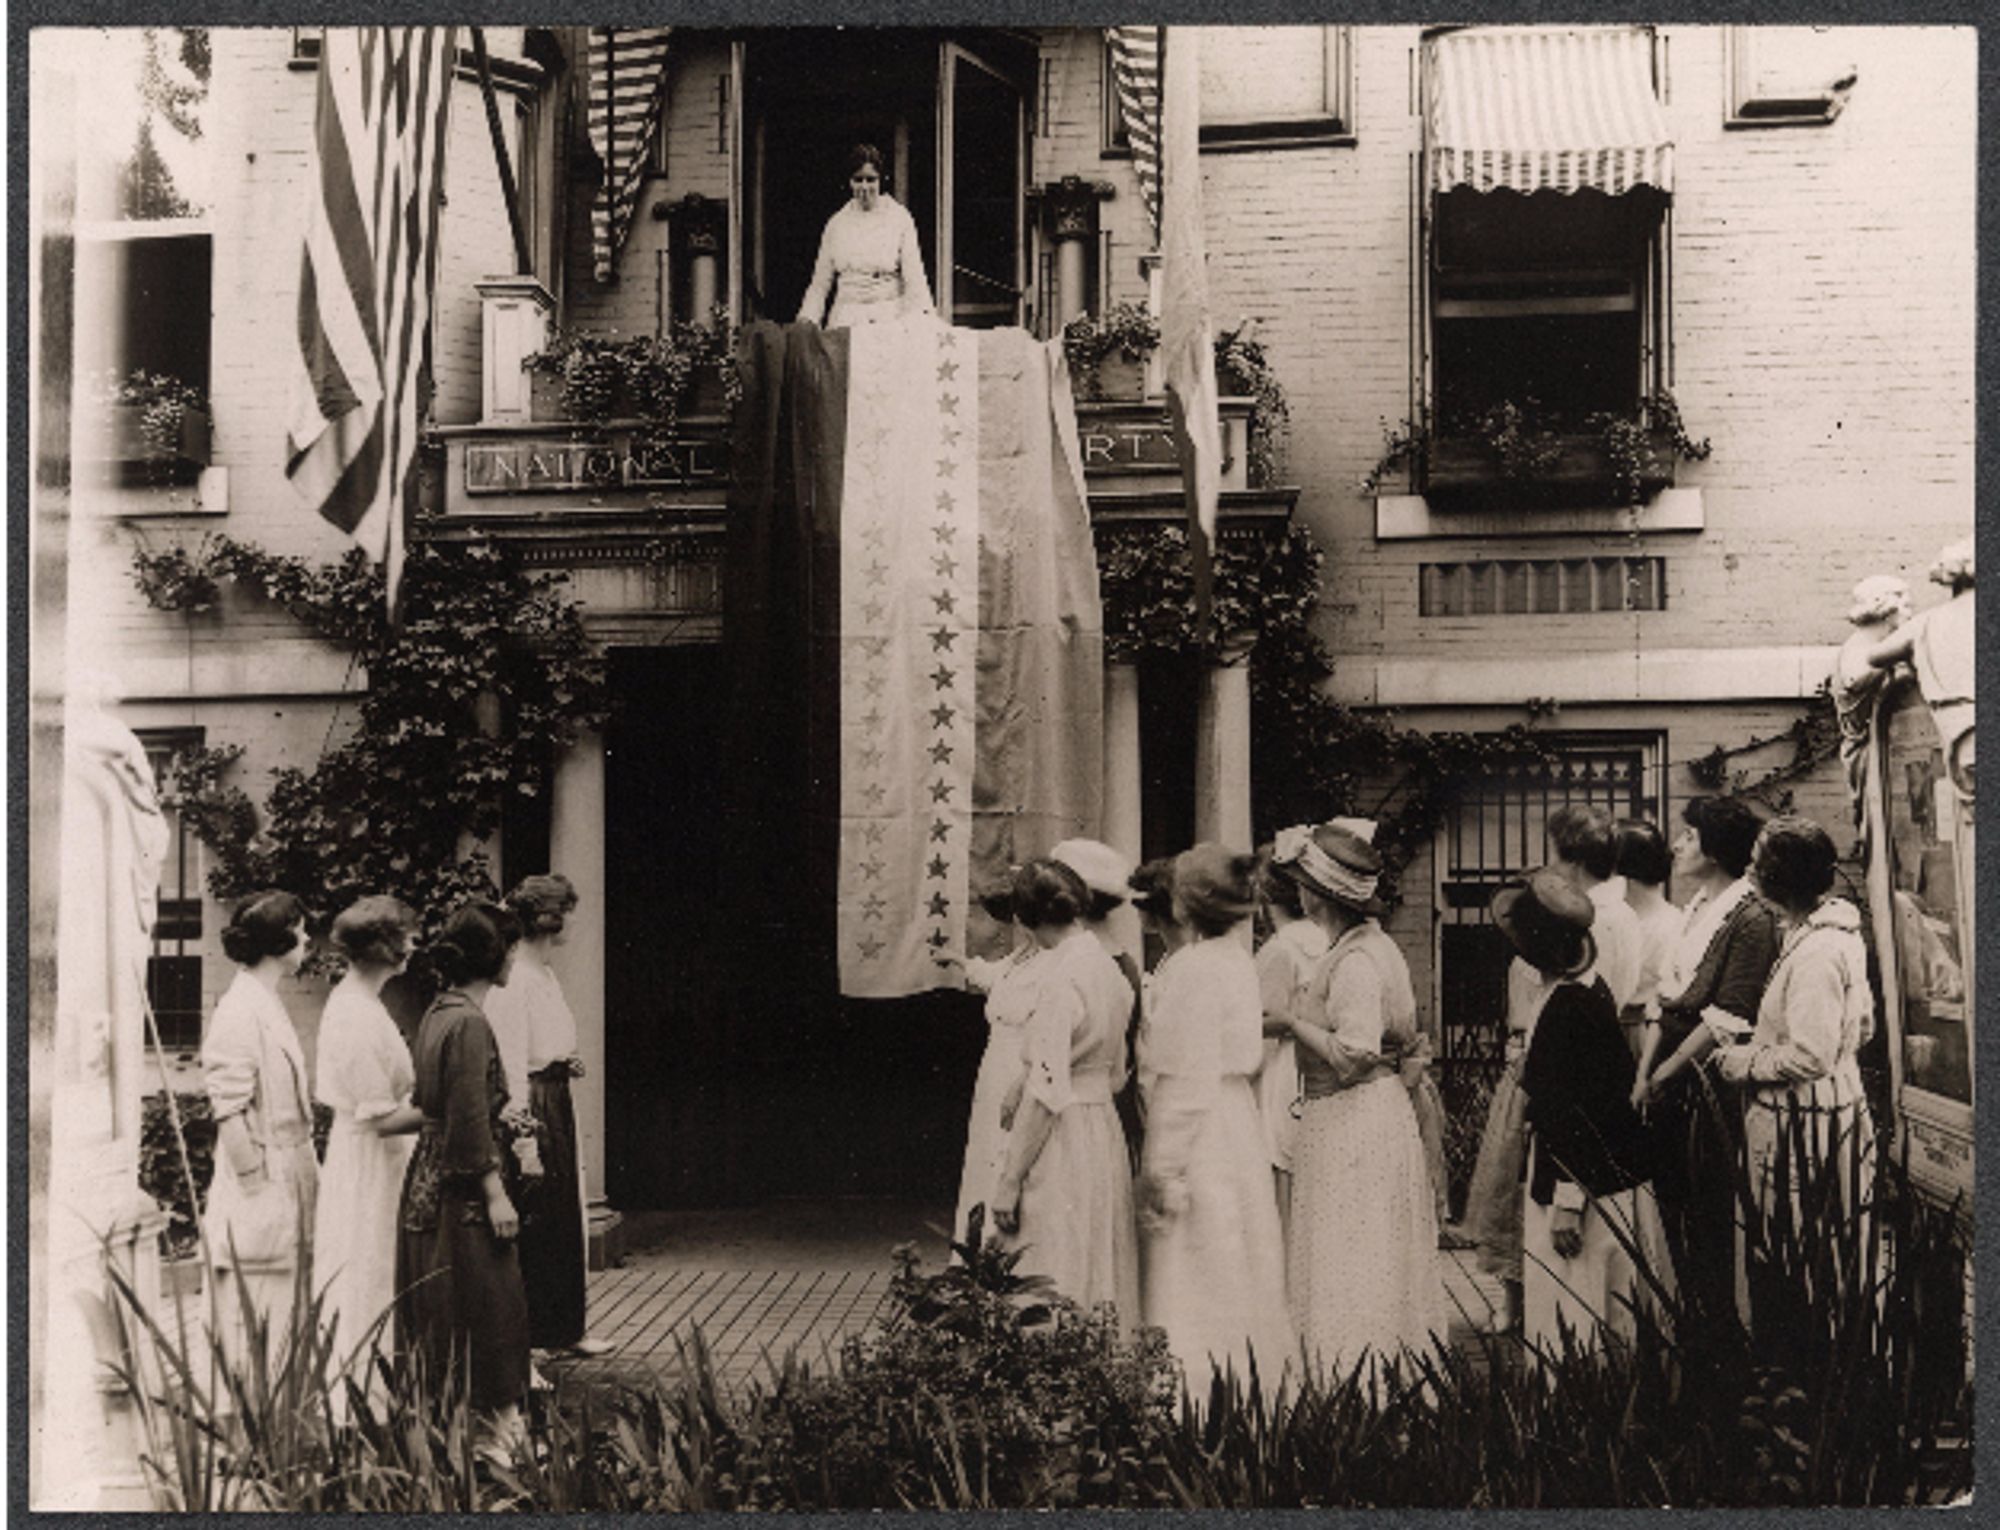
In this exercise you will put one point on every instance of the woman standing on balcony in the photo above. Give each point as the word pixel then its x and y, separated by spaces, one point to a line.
pixel 868 256
pixel 1065 1192
pixel 1363 1263
pixel 1215 1255
pixel 365 1076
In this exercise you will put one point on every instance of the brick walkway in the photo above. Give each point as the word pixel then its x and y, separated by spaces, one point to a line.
pixel 754 1303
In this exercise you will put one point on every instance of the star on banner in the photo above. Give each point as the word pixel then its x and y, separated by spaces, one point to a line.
pixel 872 719
pixel 938 940
pixel 944 531
pixel 941 753
pixel 947 467
pixel 940 791
pixel 942 678
pixel 942 716
pixel 873 793
pixel 945 564
pixel 946 602
pixel 871 947
pixel 951 435
pixel 873 684
pixel 873 612
pixel 873 867
pixel 874 647
pixel 940 905
pixel 871 758
pixel 872 537
pixel 942 638
pixel 948 403
pixel 874 832
pixel 947 341
pixel 945 503
pixel 947 370
pixel 876 572
pixel 939 829
pixel 938 868
pixel 873 906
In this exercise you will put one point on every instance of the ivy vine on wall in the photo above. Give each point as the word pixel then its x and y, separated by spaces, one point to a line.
pixel 393 799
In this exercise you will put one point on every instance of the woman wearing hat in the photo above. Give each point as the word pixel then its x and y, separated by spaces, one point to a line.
pixel 1108 876
pixel 1215 1255
pixel 1363 1263
pixel 1589 1154
pixel 1010 990
pixel 1286 961
pixel 1064 1194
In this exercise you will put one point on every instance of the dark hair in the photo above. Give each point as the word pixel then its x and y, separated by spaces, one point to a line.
pixel 1795 860
pixel 1643 855
pixel 1727 828
pixel 999 903
pixel 1047 892
pixel 1581 835
pixel 865 154
pixel 263 924
pixel 1102 906
pixel 1152 887
pixel 473 946
pixel 1275 888
pixel 541 903
pixel 1217 888
pixel 375 931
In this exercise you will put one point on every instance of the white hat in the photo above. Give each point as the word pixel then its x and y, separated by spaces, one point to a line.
pixel 1103 869
pixel 1878 596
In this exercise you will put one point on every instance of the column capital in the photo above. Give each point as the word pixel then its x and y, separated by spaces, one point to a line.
pixel 1069 206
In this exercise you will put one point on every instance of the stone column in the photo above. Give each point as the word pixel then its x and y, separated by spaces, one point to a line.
pixel 1222 748
pixel 698 234
pixel 1123 824
pixel 576 849
pixel 513 325
pixel 1069 222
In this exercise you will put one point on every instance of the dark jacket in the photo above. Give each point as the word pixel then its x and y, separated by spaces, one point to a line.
pixel 1731 974
pixel 1578 1079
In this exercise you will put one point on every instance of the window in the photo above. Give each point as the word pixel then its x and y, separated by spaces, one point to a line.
pixel 1787 76
pixel 173 971
pixel 1548 301
pixel 1542 586
pixel 1262 87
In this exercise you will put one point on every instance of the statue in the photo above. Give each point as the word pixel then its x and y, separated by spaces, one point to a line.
pixel 1881 605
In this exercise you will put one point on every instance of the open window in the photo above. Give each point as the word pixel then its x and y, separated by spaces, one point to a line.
pixel 1545 230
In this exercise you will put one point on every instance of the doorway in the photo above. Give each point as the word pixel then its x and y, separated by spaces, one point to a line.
pixel 947 111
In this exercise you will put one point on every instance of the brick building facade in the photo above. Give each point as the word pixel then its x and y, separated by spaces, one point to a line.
pixel 1812 312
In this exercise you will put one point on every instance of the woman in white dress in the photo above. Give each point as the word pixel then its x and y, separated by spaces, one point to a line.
pixel 1065 1192
pixel 1286 961
pixel 1214 1254
pixel 869 259
pixel 1799 1070
pixel 260 1206
pixel 1364 1278
pixel 364 1075
pixel 996 1094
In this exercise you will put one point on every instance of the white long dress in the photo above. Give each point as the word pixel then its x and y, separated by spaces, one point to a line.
pixel 1214 1256
pixel 1008 1006
pixel 1076 1201
pixel 873 265
pixel 364 1072
pixel 1285 965
pixel 1364 1277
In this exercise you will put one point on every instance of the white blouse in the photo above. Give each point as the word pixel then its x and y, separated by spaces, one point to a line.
pixel 531 1022
pixel 871 263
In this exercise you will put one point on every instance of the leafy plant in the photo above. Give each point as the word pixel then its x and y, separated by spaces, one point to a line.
pixel 1243 368
pixel 162 1174
pixel 163 402
pixel 386 806
pixel 176 579
pixel 1124 329
pixel 648 378
pixel 1519 438
pixel 1404 450
pixel 1628 441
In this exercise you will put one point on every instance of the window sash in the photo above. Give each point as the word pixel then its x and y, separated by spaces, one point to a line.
pixel 1328 121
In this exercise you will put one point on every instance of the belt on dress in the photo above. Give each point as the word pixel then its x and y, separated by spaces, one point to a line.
pixel 555 1072
pixel 1090 1086
pixel 1319 1085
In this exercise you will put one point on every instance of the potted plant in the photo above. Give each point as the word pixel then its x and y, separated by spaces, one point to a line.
pixel 1242 370
pixel 1516 452
pixel 1107 351
pixel 599 379
pixel 155 423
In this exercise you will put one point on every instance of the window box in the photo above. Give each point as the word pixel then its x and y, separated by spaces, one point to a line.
pixel 1465 470
pixel 126 454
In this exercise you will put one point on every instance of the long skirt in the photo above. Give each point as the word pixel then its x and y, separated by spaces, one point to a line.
pixel 1493 1199
pixel 354 1243
pixel 1365 1279
pixel 1076 1212
pixel 1697 1136
pixel 1601 1290
pixel 258 1241
pixel 460 1307
pixel 1429 1106
pixel 1215 1269
pixel 553 1250
pixel 985 1141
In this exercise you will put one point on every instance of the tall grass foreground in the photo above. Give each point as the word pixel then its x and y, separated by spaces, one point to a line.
pixel 983 1389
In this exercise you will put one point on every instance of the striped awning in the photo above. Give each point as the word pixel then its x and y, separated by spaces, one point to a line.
pixel 627 98
pixel 1545 109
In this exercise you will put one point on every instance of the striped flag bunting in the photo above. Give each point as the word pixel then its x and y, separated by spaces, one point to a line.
pixel 1135 77
pixel 1545 109
pixel 1187 344
pixel 627 98
pixel 367 277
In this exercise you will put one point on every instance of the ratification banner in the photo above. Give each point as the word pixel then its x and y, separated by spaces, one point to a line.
pixel 911 557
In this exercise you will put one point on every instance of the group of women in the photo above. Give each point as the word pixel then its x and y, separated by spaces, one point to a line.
pixel 1652 1048
pixel 1267 1206
pixel 446 1222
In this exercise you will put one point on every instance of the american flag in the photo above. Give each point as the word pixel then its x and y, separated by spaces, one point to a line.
pixel 367 276
pixel 1135 77
pixel 628 83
